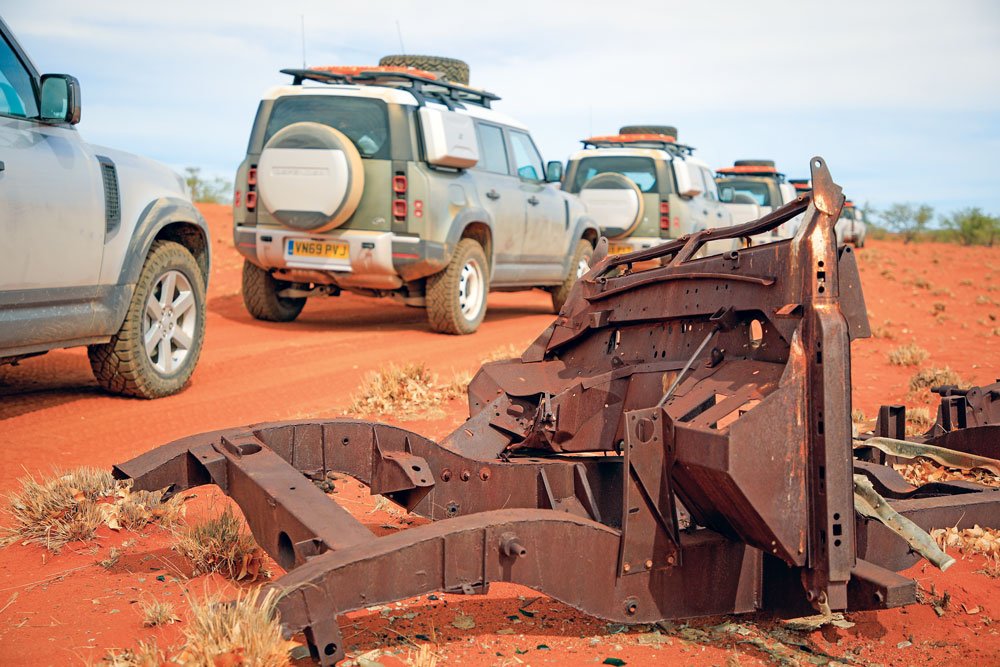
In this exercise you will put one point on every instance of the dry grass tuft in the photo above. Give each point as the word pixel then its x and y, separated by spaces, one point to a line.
pixel 503 352
pixel 982 300
pixel 965 282
pixel 938 307
pixel 408 391
pixel 943 291
pixel 888 274
pixel 918 420
pixel 157 613
pixel 908 355
pixel 926 378
pixel 245 631
pixel 222 544
pixel 71 506
pixel 884 331
pixel 921 282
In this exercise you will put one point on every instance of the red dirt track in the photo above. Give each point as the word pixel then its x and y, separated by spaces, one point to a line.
pixel 64 609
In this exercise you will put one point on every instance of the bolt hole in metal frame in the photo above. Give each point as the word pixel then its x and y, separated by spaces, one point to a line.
pixel 652 455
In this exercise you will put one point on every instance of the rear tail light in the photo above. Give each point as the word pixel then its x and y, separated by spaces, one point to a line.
pixel 252 176
pixel 399 184
pixel 418 208
pixel 251 201
pixel 664 215
pixel 237 198
pixel 399 208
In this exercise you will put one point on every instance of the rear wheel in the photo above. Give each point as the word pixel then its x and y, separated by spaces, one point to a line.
pixel 577 268
pixel 155 351
pixel 456 297
pixel 260 296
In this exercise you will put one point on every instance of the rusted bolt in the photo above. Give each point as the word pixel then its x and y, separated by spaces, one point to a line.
pixel 671 560
pixel 626 567
pixel 466 475
pixel 452 508
pixel 631 606
pixel 445 475
pixel 484 474
pixel 511 547
pixel 649 564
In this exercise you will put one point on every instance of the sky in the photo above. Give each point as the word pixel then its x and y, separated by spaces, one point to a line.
pixel 902 98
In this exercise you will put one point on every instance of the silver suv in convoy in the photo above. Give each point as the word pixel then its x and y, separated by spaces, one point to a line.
pixel 754 188
pixel 851 227
pixel 100 248
pixel 396 181
pixel 643 187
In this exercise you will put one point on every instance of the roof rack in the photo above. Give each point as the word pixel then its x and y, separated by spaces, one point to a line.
pixel 657 141
pixel 423 85
pixel 750 170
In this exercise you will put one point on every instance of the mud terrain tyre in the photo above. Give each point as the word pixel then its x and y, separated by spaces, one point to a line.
pixel 260 296
pixel 167 310
pixel 754 163
pixel 453 69
pixel 456 297
pixel 579 265
pixel 668 130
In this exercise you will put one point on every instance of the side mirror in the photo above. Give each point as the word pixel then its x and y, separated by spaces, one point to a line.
pixel 726 195
pixel 60 98
pixel 528 173
pixel 554 171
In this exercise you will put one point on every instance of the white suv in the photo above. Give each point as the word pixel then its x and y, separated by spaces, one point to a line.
pixel 100 247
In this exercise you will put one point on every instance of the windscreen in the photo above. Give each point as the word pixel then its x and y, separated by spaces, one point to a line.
pixel 640 170
pixel 364 121
pixel 760 192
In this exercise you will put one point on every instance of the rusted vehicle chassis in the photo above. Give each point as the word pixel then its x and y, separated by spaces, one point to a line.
pixel 677 443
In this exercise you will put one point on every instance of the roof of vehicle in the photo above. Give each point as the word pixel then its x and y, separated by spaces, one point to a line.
pixel 383 85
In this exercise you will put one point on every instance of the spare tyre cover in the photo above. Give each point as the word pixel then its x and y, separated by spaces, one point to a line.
pixel 310 177
pixel 754 163
pixel 615 202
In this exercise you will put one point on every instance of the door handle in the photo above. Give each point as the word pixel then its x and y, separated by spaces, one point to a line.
pixel 704 211
pixel 718 214
pixel 493 194
pixel 2 165
pixel 533 200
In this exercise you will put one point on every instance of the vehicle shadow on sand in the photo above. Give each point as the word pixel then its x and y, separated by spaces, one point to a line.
pixel 56 378
pixel 360 314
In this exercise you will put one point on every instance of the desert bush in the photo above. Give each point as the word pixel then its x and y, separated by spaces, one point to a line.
pixel 215 191
pixel 71 506
pixel 222 544
pixel 503 352
pixel 407 391
pixel 926 378
pixel 907 220
pixel 908 355
pixel 973 227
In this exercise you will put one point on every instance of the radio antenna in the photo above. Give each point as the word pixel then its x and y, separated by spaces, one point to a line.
pixel 302 18
pixel 399 31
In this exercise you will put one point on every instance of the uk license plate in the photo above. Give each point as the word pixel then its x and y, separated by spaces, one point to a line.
pixel 317 249
pixel 619 249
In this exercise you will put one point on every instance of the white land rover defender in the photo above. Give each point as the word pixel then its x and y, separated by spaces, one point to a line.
pixel 643 187
pixel 752 189
pixel 403 182
pixel 100 248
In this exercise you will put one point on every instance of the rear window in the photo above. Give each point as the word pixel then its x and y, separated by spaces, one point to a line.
pixel 364 121
pixel 759 191
pixel 641 170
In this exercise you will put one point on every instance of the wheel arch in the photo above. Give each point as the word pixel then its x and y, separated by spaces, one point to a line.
pixel 171 219
pixel 476 224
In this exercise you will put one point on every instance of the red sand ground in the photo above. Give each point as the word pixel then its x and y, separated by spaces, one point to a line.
pixel 62 609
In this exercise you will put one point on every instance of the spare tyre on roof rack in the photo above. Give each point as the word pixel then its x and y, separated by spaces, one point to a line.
pixel 452 69
pixel 668 130
pixel 754 163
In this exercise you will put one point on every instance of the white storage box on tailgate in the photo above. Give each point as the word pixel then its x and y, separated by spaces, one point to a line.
pixel 449 138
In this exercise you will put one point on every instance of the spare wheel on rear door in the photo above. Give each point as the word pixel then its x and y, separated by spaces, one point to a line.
pixel 614 201
pixel 310 177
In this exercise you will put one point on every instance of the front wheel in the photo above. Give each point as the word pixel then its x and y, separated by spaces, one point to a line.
pixel 260 296
pixel 157 347
pixel 579 265
pixel 456 297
